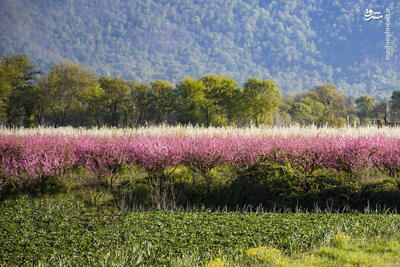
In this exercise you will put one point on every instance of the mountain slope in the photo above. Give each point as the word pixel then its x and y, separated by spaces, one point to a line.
pixel 298 44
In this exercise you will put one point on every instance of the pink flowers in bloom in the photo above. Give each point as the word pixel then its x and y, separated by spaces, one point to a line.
pixel 33 157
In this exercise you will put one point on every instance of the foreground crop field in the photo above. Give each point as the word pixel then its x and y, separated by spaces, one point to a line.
pixel 68 232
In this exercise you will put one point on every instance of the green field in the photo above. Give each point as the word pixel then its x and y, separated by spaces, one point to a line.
pixel 56 230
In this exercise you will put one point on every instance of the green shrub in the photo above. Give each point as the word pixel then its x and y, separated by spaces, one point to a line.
pixel 384 194
pixel 266 184
pixel 282 186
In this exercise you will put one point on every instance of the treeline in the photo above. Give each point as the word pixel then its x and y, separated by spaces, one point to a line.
pixel 71 94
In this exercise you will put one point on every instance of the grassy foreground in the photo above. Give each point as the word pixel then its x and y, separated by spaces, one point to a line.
pixel 59 231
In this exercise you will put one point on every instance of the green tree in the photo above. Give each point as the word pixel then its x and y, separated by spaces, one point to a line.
pixel 301 113
pixel 337 105
pixel 262 100
pixel 68 86
pixel 284 118
pixel 307 111
pixel 96 105
pixel 365 108
pixel 116 99
pixel 140 103
pixel 18 91
pixel 163 100
pixel 192 104
pixel 317 108
pixel 380 110
pixel 224 97
pixel 395 105
pixel 328 119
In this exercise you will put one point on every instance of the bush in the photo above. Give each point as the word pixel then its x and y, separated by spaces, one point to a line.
pixel 382 195
pixel 279 186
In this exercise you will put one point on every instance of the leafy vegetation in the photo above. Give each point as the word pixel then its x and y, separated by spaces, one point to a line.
pixel 74 95
pixel 57 230
pixel 298 44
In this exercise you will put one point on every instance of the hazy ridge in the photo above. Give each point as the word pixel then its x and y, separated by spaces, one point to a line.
pixel 298 44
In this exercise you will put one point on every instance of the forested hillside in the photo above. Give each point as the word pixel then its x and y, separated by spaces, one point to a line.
pixel 298 44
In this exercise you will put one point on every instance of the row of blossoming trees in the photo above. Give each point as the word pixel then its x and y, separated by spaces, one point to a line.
pixel 25 159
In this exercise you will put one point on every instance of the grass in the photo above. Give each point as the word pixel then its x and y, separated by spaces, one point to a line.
pixel 356 252
pixel 60 230
pixel 189 130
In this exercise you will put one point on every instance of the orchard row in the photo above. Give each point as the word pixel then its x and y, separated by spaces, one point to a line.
pixel 33 157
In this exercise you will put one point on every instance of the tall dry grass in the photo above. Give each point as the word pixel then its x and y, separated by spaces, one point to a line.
pixel 164 130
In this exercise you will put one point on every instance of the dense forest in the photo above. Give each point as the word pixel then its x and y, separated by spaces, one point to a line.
pixel 298 43
pixel 71 94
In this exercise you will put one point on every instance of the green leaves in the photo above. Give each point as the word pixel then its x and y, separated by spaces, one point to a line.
pixel 162 100
pixel 365 108
pixel 67 86
pixel 19 97
pixel 33 230
pixel 117 95
pixel 262 99
pixel 216 100
pixel 192 101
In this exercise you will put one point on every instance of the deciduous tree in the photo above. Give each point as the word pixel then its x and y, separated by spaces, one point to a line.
pixel 262 100
pixel 68 86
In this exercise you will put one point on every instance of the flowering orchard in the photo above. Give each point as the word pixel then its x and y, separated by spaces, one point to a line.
pixel 29 157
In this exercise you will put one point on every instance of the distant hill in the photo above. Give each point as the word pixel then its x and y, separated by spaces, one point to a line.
pixel 298 44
